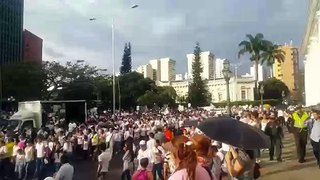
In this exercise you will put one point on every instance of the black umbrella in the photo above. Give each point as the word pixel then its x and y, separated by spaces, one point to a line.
pixel 191 123
pixel 234 133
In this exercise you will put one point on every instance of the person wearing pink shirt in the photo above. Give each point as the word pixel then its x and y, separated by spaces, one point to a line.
pixel 185 160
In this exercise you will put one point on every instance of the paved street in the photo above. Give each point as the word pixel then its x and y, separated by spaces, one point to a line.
pixel 289 169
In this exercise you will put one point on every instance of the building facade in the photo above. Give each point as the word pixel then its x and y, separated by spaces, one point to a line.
pixel 219 68
pixel 207 60
pixel 146 71
pixel 32 48
pixel 263 72
pixel 311 49
pixel 156 66
pixel 168 69
pixel 288 70
pixel 11 28
pixel 241 88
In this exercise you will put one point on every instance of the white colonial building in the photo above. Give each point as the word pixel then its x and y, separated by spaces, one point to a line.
pixel 241 88
pixel 311 49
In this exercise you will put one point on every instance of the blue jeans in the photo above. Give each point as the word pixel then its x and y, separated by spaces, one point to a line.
pixel 29 170
pixel 39 166
pixel 126 175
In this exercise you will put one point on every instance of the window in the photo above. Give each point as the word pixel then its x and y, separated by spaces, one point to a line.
pixel 243 95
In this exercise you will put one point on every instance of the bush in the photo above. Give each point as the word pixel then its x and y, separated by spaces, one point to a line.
pixel 272 102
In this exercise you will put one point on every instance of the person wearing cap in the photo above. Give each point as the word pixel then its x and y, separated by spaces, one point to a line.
pixel 300 132
pixel 145 153
pixel 315 134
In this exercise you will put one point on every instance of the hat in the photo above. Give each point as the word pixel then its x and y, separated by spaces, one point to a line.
pixel 142 143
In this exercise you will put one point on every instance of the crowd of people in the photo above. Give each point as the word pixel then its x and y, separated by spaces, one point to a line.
pixel 153 145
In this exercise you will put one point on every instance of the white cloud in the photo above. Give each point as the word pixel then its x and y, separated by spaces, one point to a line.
pixel 158 28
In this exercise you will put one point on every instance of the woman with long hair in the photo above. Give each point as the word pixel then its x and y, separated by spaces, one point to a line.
pixel 185 159
pixel 202 149
pixel 127 160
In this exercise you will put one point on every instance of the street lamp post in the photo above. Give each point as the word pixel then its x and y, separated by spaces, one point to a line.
pixel 226 74
pixel 113 61
pixel 261 94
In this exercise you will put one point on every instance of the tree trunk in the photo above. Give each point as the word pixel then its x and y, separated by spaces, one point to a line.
pixel 256 76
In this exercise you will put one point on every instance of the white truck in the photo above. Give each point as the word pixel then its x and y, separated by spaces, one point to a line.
pixel 30 114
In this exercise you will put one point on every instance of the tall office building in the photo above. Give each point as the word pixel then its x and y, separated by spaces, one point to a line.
pixel 207 62
pixel 168 69
pixel 156 66
pixel 263 72
pixel 32 48
pixel 288 71
pixel 219 68
pixel 11 28
pixel 146 71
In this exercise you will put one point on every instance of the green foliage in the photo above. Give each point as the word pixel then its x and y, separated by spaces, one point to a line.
pixel 132 86
pixel 23 81
pixel 272 102
pixel 259 50
pixel 148 99
pixel 273 89
pixel 74 81
pixel 271 54
pixel 198 94
pixel 160 96
pixel 62 80
pixel 126 64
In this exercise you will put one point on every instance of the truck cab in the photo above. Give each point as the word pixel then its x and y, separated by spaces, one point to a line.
pixel 28 117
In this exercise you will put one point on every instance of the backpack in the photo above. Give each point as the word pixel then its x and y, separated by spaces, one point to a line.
pixel 141 175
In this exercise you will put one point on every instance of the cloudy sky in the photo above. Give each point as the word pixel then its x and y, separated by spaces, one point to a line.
pixel 159 28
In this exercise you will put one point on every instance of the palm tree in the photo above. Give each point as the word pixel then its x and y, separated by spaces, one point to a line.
pixel 272 54
pixel 255 46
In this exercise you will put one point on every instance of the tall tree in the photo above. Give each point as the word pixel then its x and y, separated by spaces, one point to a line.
pixel 132 86
pixel 198 94
pixel 23 81
pixel 272 54
pixel 126 64
pixel 61 77
pixel 254 46
pixel 273 88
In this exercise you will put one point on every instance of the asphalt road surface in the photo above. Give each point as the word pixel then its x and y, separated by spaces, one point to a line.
pixel 289 169
pixel 86 170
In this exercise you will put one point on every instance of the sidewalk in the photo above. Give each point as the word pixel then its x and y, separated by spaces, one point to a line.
pixel 289 169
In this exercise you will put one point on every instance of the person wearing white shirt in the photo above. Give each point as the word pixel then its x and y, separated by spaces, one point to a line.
pixel 151 142
pixel 143 132
pixel 126 134
pixel 117 141
pixel 72 125
pixel 136 132
pixel 145 153
pixel 39 155
pixel 103 160
pixel 280 115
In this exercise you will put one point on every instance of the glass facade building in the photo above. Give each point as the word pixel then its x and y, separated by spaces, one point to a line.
pixel 11 31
